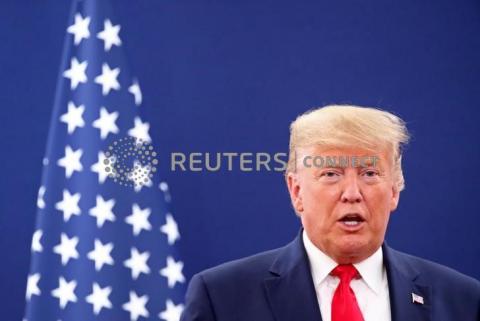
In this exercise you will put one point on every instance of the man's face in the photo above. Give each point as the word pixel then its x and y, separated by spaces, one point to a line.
pixel 344 210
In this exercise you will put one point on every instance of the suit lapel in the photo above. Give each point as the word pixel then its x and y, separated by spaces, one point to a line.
pixel 403 284
pixel 290 289
pixel 292 297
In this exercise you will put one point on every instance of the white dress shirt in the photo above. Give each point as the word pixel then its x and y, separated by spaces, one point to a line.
pixel 371 290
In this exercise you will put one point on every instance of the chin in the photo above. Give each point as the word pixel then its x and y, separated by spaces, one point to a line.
pixel 352 249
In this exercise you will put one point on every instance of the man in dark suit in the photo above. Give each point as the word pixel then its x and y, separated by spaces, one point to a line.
pixel 344 177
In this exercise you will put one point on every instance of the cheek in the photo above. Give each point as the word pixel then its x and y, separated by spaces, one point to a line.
pixel 379 206
pixel 315 198
pixel 319 206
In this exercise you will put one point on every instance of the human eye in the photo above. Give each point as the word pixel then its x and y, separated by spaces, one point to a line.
pixel 329 175
pixel 370 174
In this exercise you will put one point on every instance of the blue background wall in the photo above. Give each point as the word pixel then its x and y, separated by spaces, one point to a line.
pixel 225 76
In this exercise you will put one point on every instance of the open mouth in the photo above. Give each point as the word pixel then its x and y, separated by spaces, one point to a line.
pixel 352 219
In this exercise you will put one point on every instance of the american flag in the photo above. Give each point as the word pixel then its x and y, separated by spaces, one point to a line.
pixel 104 245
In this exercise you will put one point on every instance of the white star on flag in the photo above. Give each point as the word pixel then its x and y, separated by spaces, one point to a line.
pixel 67 248
pixel 173 272
pixel 99 298
pixel 76 73
pixel 103 211
pixel 71 161
pixel 172 311
pixel 69 205
pixel 65 292
pixel 80 28
pixel 139 219
pixel 106 122
pixel 73 117
pixel 36 245
pixel 32 286
pixel 136 306
pixel 41 194
pixel 108 79
pixel 101 254
pixel 135 90
pixel 99 167
pixel 170 229
pixel 137 263
pixel 137 176
pixel 109 35
pixel 140 130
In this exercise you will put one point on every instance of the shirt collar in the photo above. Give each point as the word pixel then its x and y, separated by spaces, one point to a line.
pixel 371 269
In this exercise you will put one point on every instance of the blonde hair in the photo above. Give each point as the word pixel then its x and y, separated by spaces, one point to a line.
pixel 345 126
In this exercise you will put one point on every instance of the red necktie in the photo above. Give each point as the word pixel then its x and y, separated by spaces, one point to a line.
pixel 344 303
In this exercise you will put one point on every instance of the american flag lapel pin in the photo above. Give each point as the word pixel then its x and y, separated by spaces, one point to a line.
pixel 417 299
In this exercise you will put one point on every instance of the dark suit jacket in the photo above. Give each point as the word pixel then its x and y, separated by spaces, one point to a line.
pixel 277 286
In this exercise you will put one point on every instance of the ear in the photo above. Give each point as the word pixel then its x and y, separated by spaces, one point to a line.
pixel 395 198
pixel 294 190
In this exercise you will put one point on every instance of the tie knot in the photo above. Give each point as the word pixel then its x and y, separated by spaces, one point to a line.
pixel 346 272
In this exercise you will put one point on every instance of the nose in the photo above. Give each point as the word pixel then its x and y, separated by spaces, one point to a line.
pixel 351 191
